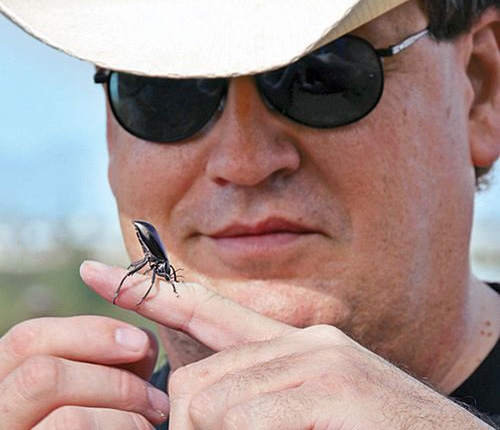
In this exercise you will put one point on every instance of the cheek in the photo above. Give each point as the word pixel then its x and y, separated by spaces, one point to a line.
pixel 418 178
pixel 132 176
pixel 404 172
pixel 143 177
pixel 149 182
pixel 425 131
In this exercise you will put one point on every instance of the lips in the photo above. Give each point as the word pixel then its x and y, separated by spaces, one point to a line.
pixel 270 226
pixel 269 239
pixel 256 247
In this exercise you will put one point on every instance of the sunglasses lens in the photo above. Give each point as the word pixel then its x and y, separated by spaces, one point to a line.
pixel 163 109
pixel 334 86
pixel 338 84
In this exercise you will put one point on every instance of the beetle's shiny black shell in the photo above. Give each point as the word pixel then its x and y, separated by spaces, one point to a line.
pixel 151 239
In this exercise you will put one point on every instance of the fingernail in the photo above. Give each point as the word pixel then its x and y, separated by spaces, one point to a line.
pixel 159 401
pixel 132 339
pixel 88 269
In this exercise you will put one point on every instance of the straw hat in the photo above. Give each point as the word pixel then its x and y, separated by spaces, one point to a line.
pixel 187 38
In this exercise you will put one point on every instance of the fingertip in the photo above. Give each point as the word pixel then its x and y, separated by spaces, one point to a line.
pixel 159 402
pixel 89 267
pixel 153 339
pixel 132 338
pixel 146 366
pixel 153 350
pixel 98 276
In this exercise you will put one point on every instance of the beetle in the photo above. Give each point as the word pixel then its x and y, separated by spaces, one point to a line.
pixel 154 254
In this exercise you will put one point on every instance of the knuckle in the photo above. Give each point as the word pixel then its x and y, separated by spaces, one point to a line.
pixel 123 382
pixel 38 377
pixel 327 333
pixel 179 381
pixel 18 341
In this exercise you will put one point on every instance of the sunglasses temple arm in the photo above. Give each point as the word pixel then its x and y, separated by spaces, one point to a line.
pixel 404 44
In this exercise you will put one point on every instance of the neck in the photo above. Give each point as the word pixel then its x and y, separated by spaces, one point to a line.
pixel 480 334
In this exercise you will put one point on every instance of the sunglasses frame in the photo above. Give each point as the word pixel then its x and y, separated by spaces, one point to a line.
pixel 102 76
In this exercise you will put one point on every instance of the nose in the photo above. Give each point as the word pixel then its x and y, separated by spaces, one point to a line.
pixel 250 144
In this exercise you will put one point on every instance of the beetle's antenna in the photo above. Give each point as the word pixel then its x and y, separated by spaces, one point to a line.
pixel 174 272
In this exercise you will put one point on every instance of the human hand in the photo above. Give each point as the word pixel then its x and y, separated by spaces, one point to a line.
pixel 80 372
pixel 265 374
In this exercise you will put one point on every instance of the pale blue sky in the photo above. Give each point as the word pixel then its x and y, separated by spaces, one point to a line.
pixel 52 143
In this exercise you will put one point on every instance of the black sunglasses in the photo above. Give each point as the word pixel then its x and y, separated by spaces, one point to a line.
pixel 336 85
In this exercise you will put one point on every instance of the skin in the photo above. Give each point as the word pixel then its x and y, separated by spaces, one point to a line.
pixel 368 193
pixel 378 271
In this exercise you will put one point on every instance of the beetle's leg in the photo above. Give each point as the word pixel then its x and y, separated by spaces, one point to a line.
pixel 141 263
pixel 136 266
pixel 153 278
pixel 173 276
pixel 173 287
pixel 161 271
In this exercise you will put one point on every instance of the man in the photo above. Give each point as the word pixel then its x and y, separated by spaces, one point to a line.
pixel 321 218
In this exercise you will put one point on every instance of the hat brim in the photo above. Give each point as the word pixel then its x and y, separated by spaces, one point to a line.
pixel 191 38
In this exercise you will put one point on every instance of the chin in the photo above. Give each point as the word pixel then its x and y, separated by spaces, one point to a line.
pixel 289 301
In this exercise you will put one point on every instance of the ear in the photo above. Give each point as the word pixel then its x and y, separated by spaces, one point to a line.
pixel 484 75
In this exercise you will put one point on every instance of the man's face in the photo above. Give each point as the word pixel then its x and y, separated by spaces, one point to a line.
pixel 365 226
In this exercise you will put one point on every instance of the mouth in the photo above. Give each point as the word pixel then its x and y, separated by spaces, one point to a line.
pixel 260 238
pixel 266 227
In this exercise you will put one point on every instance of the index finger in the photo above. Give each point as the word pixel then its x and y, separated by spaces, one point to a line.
pixel 206 316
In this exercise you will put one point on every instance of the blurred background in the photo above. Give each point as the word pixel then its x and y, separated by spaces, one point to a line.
pixel 56 209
